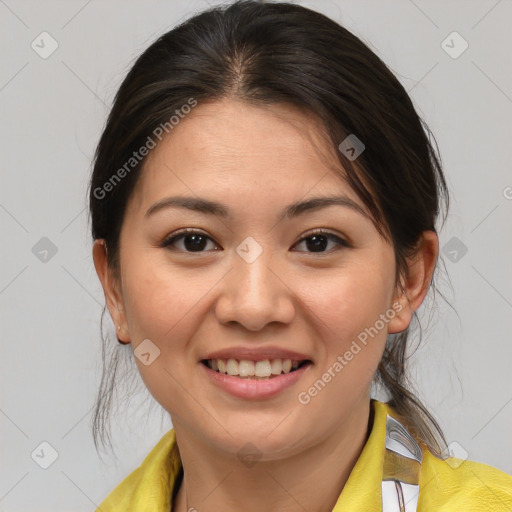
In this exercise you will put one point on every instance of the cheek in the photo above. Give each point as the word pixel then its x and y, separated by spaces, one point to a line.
pixel 346 311
pixel 162 306
pixel 166 306
pixel 160 301
pixel 347 302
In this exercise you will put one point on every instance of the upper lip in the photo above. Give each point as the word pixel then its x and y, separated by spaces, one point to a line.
pixel 256 354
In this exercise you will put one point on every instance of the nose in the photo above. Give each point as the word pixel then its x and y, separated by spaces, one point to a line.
pixel 254 295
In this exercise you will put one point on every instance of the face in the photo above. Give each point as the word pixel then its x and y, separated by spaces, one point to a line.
pixel 253 279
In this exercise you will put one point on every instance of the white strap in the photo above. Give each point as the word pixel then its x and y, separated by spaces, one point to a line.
pixel 399 493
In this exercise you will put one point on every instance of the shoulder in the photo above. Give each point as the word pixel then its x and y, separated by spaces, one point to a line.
pixel 148 488
pixel 454 484
pixel 463 484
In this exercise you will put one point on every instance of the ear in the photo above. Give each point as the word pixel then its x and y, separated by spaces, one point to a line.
pixel 416 283
pixel 111 289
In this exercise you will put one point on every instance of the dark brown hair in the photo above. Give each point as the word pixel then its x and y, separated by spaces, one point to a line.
pixel 265 53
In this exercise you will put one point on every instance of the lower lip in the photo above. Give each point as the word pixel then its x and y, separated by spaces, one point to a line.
pixel 254 389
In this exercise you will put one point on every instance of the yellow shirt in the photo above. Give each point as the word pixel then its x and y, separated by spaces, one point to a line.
pixel 445 485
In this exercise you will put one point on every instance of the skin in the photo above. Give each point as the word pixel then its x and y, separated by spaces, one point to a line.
pixel 257 161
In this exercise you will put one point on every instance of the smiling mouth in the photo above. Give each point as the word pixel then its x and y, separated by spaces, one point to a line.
pixel 255 370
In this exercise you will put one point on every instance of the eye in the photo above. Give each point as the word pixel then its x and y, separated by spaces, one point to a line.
pixel 196 241
pixel 320 239
pixel 193 241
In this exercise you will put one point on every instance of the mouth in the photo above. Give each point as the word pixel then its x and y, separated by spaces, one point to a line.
pixel 255 380
pixel 255 370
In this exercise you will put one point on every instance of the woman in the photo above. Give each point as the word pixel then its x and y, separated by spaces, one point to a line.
pixel 263 202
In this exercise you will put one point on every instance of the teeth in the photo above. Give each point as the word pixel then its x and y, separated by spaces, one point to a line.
pixel 276 366
pixel 259 369
pixel 262 368
pixel 245 368
pixel 232 367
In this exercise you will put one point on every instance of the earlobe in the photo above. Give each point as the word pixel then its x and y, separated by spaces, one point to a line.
pixel 402 313
pixel 416 283
pixel 109 284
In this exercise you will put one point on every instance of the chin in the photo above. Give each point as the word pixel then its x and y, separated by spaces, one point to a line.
pixel 262 442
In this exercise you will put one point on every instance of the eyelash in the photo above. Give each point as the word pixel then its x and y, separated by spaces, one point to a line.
pixel 172 239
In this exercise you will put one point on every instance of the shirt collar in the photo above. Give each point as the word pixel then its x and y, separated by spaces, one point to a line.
pixel 151 486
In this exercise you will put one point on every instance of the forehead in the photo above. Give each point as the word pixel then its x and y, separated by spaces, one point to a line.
pixel 241 152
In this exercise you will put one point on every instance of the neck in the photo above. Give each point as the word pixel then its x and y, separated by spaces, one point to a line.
pixel 311 479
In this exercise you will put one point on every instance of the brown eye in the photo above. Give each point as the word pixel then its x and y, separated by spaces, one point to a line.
pixel 196 241
pixel 317 242
pixel 193 241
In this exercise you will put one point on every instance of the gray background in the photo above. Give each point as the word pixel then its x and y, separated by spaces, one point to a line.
pixel 53 111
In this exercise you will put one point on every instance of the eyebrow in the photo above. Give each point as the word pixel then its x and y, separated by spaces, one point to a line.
pixel 206 206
